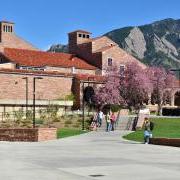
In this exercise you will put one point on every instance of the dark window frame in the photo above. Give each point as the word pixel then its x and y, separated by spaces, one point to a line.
pixel 122 70
pixel 110 61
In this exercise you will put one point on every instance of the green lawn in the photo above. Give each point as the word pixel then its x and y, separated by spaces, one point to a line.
pixel 66 132
pixel 163 127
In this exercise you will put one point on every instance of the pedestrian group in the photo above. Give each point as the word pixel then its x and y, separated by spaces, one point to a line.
pixel 100 116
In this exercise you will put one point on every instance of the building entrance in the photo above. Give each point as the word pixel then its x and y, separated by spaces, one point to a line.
pixel 177 99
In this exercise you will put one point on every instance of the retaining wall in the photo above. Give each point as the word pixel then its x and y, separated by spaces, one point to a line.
pixel 28 134
pixel 166 141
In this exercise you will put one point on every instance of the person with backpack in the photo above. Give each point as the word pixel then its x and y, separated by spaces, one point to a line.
pixel 148 128
pixel 151 129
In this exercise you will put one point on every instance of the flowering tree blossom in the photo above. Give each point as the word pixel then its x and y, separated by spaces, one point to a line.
pixel 108 93
pixel 161 80
pixel 129 89
pixel 135 86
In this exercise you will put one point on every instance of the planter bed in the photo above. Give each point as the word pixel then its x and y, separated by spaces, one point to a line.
pixel 166 141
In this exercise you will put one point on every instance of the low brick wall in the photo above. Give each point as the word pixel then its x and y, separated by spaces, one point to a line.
pixel 166 141
pixel 45 134
pixel 27 134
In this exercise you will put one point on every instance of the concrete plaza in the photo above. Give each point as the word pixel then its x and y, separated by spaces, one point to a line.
pixel 95 155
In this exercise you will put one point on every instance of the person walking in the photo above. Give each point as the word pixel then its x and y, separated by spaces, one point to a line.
pixel 113 120
pixel 108 122
pixel 100 118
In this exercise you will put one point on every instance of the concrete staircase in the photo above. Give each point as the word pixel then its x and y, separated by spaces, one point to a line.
pixel 122 123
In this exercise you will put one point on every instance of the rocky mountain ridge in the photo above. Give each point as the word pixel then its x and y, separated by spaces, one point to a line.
pixel 154 44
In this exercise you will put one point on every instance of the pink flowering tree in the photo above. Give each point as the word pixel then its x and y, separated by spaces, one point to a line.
pixel 135 86
pixel 108 93
pixel 129 89
pixel 161 80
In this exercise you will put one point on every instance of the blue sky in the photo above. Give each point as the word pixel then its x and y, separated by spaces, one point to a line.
pixel 46 22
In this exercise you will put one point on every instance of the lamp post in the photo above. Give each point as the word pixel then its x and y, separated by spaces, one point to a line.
pixel 34 98
pixel 26 78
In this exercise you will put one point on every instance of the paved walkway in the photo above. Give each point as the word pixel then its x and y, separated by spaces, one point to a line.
pixel 101 154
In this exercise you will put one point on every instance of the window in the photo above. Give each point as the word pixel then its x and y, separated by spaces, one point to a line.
pixel 73 70
pixel 84 36
pixel 87 36
pixel 9 29
pixel 121 70
pixel 6 28
pixel 23 67
pixel 80 35
pixel 109 61
pixel 31 68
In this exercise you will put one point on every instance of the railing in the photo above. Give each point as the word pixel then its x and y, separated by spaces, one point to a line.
pixel 125 122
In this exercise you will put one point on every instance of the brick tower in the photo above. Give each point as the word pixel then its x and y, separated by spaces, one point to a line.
pixel 6 30
pixel 77 37
pixel 9 39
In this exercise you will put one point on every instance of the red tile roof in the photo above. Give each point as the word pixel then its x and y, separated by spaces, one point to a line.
pixel 40 59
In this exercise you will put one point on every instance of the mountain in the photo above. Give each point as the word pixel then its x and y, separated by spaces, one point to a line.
pixel 58 48
pixel 154 44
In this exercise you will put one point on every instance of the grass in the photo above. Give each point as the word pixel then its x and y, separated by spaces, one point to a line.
pixel 163 127
pixel 67 132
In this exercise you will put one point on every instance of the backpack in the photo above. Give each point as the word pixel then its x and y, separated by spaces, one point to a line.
pixel 151 125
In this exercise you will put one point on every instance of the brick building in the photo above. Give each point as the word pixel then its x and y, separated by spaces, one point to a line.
pixel 62 72
pixel 100 52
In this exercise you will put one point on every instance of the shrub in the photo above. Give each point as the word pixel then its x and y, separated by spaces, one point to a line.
pixel 67 122
pixel 77 125
pixel 66 125
pixel 70 97
pixel 39 121
pixel 115 108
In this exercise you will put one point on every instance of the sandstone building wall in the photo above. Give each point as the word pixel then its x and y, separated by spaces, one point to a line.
pixel 12 86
